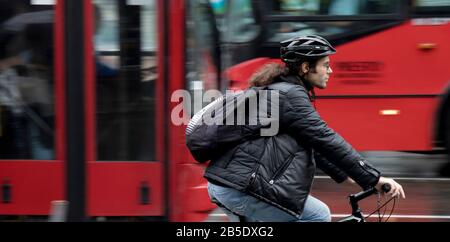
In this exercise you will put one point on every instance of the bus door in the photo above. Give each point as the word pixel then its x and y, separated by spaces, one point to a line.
pixel 31 157
pixel 195 69
pixel 125 109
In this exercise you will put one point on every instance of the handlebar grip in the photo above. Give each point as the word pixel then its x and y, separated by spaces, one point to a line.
pixel 386 187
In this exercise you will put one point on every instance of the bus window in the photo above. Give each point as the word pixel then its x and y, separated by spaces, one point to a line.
pixel 241 23
pixel 334 29
pixel 333 7
pixel 431 3
pixel 26 81
pixel 289 7
pixel 125 60
pixel 354 7
pixel 202 58
pixel 219 8
pixel 432 7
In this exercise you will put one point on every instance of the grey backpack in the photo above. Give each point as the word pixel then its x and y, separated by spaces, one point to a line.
pixel 222 124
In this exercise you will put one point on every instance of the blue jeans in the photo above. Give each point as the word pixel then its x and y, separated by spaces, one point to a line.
pixel 256 210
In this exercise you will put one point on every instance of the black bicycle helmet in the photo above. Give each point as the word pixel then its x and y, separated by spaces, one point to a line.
pixel 303 47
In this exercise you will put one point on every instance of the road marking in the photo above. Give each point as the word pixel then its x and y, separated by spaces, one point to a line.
pixel 392 216
pixel 399 216
pixel 402 178
pixel 218 215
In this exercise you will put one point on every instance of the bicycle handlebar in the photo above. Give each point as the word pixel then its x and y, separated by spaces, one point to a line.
pixel 386 187
pixel 361 195
pixel 355 198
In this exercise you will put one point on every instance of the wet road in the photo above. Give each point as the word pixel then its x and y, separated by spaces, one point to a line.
pixel 426 200
pixel 428 195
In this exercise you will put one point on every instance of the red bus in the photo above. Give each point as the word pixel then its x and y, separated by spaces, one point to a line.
pixel 390 89
pixel 85 107
pixel 85 92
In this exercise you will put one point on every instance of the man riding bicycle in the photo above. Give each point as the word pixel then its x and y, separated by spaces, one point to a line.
pixel 268 178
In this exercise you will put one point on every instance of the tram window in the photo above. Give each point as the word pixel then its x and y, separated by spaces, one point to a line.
pixel 27 111
pixel 126 49
pixel 202 60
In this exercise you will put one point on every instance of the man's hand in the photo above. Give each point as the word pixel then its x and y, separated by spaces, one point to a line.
pixel 396 189
pixel 350 181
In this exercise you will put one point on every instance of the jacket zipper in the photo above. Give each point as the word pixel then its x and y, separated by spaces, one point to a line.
pixel 252 176
pixel 281 170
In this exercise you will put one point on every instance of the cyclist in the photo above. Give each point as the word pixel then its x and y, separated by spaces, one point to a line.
pixel 269 178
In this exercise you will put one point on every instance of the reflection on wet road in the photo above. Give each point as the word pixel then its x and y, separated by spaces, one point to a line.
pixel 427 194
pixel 426 200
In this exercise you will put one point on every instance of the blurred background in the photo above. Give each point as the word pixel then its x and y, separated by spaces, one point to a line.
pixel 86 99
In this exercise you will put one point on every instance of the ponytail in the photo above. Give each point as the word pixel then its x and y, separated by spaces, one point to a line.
pixel 267 74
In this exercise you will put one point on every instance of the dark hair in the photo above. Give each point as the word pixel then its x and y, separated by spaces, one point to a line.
pixel 267 74
pixel 270 72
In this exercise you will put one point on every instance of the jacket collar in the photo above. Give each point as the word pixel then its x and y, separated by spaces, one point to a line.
pixel 295 79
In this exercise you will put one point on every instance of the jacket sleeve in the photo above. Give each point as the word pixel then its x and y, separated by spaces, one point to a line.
pixel 329 168
pixel 302 121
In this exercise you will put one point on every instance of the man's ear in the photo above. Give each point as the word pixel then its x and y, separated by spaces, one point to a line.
pixel 305 67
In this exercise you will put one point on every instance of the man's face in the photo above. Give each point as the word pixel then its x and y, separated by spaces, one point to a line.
pixel 319 78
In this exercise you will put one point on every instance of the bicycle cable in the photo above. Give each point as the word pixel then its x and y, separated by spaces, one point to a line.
pixel 380 218
pixel 392 210
pixel 379 207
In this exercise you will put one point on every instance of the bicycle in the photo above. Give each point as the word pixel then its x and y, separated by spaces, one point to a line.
pixel 357 215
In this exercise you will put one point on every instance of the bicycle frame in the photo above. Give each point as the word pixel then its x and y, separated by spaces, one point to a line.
pixel 357 215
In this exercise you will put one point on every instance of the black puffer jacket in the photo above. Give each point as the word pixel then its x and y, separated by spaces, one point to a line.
pixel 279 169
